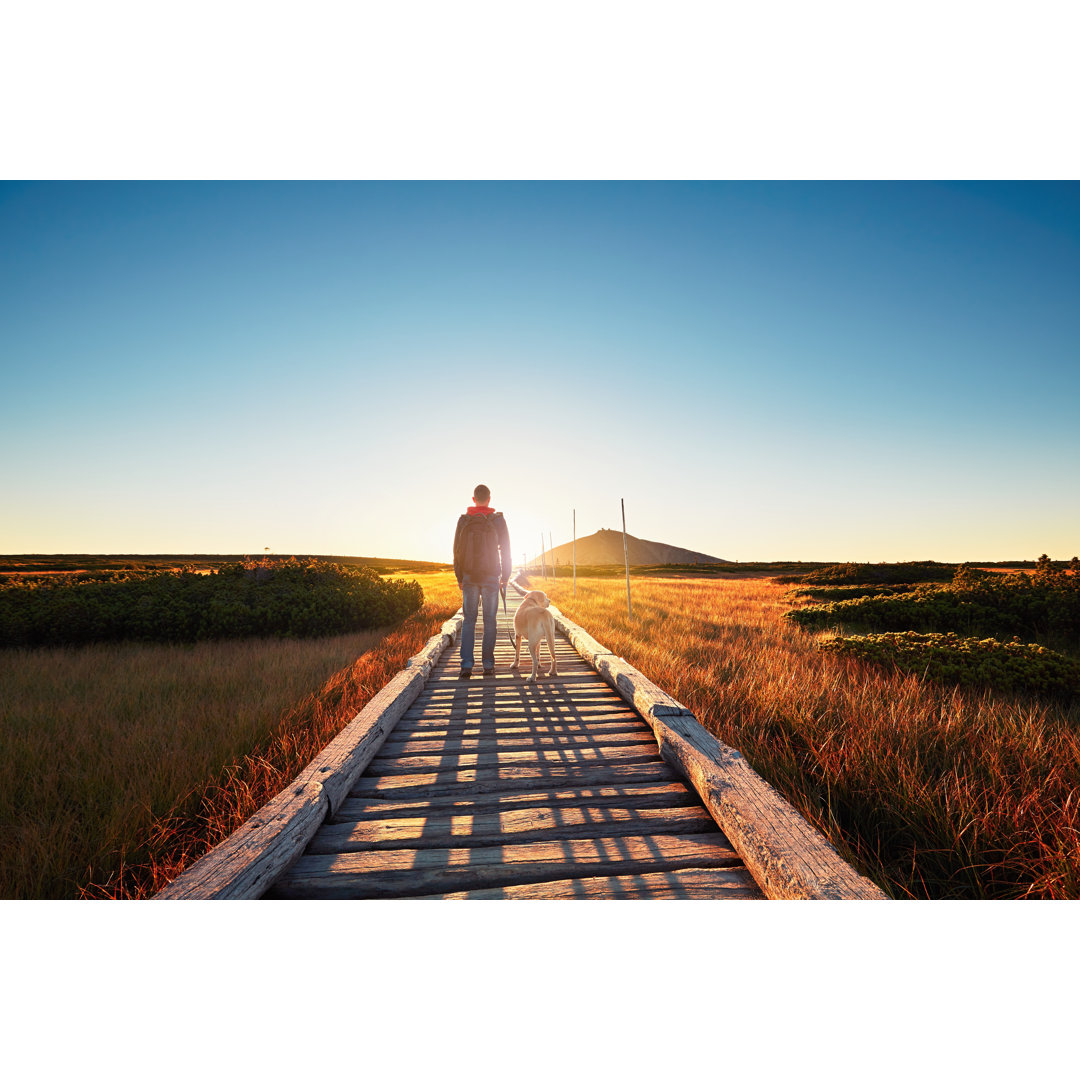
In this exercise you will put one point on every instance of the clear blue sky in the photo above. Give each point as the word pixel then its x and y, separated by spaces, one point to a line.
pixel 792 370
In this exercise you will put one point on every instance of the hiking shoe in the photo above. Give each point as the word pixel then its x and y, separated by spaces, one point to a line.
pixel 465 673
pixel 489 671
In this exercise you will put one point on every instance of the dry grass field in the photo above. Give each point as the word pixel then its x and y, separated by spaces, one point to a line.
pixel 933 791
pixel 123 763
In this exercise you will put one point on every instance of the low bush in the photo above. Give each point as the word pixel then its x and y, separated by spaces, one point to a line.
pixel 1009 665
pixel 850 592
pixel 907 573
pixel 288 599
pixel 1043 605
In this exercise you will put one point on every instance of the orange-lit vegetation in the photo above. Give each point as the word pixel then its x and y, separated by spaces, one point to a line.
pixel 935 791
pixel 124 763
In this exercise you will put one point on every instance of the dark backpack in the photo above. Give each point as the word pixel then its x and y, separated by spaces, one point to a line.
pixel 481 550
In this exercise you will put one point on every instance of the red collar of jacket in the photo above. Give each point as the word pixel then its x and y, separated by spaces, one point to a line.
pixel 480 510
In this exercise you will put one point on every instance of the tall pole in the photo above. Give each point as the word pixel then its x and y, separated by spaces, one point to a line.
pixel 543 557
pixel 575 552
pixel 554 561
pixel 626 559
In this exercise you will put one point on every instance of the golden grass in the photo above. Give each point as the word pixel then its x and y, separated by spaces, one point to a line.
pixel 933 792
pixel 122 764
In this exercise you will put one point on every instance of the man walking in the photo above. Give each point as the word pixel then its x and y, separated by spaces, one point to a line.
pixel 482 564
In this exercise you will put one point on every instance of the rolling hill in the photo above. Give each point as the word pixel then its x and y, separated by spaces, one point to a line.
pixel 605 548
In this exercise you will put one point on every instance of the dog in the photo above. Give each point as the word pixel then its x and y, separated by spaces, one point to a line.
pixel 532 620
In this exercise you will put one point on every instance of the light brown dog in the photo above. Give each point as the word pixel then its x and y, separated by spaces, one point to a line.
pixel 532 620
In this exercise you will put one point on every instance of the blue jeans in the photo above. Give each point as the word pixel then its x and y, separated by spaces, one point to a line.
pixel 471 595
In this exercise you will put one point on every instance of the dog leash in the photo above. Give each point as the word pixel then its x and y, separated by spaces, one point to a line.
pixel 509 632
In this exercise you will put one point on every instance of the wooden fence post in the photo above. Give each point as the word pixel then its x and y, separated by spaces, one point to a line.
pixel 575 552
pixel 626 559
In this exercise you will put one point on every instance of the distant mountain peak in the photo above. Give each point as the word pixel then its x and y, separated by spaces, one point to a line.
pixel 605 548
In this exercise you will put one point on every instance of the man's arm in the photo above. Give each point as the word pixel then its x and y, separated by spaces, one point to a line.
pixel 458 553
pixel 504 551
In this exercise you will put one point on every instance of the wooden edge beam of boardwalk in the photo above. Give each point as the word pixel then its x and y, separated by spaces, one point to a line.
pixel 592 784
pixel 246 863
pixel 789 858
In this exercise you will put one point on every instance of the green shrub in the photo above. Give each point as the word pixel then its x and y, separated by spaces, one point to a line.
pixel 1010 665
pixel 289 599
pixel 908 573
pixel 850 592
pixel 1045 604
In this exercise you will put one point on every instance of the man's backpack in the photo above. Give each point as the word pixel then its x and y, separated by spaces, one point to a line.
pixel 481 550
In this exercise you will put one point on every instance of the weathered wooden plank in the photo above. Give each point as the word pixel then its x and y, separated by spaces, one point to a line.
pixel 442 830
pixel 576 670
pixel 507 779
pixel 464 726
pixel 512 699
pixel 465 729
pixel 462 742
pixel 580 672
pixel 546 689
pixel 506 705
pixel 728 884
pixel 506 655
pixel 502 648
pixel 484 711
pixel 393 765
pixel 502 644
pixel 514 684
pixel 463 693
pixel 487 744
pixel 494 710
pixel 638 796
pixel 360 874
pixel 522 722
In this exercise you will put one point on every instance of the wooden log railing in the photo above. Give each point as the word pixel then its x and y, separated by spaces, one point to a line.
pixel 246 863
pixel 788 857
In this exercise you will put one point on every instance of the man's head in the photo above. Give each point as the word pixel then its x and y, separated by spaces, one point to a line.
pixel 481 495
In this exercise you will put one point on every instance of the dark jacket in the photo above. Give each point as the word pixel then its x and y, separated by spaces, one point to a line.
pixel 502 534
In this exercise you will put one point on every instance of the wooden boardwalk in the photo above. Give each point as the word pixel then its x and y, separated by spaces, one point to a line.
pixel 496 787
